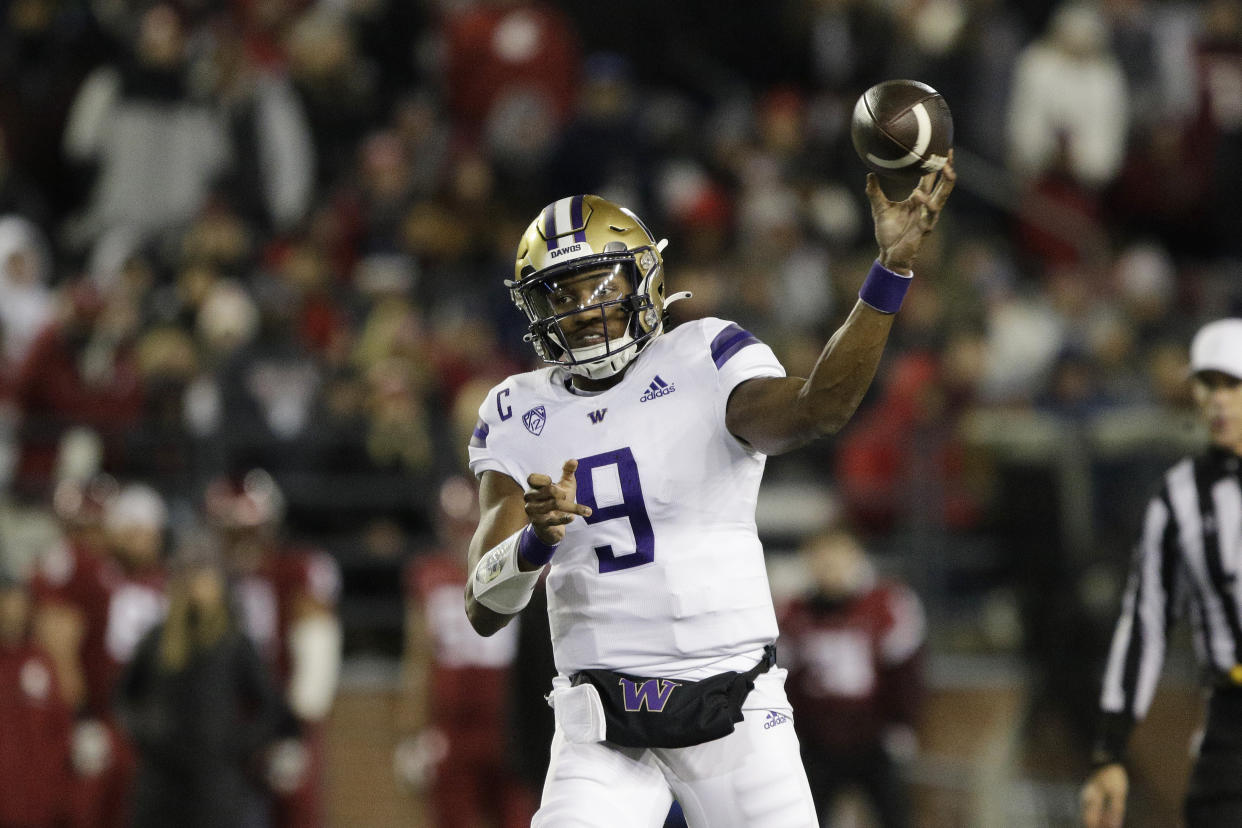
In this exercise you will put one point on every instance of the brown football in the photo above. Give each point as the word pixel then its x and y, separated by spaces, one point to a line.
pixel 902 129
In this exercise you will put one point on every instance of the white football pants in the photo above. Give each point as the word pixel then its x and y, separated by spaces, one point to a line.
pixel 752 777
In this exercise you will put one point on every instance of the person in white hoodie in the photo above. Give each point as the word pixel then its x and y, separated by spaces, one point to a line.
pixel 26 301
pixel 1070 103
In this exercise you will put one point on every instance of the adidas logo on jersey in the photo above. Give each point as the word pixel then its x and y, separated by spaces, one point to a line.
pixel 657 388
pixel 773 719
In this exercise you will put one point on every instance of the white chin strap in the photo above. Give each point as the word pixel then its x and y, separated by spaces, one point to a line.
pixel 591 363
pixel 594 362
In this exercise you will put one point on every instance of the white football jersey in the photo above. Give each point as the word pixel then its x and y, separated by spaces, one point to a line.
pixel 666 577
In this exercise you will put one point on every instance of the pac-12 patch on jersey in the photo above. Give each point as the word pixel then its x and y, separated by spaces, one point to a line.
pixel 535 419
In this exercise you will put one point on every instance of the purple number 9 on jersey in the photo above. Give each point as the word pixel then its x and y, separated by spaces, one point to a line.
pixel 631 508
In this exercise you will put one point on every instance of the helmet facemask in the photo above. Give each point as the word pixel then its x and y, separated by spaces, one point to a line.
pixel 550 306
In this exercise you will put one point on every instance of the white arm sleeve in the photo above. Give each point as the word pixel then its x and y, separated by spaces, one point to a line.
pixel 315 644
pixel 498 583
pixel 89 113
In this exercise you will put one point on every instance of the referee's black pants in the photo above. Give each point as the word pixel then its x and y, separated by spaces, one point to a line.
pixel 1214 797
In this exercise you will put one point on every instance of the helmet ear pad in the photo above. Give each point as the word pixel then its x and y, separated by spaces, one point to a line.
pixel 649 302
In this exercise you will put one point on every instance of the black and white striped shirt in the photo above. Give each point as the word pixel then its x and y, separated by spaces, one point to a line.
pixel 1188 559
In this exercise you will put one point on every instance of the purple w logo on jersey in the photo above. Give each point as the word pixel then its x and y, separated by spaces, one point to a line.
pixel 652 694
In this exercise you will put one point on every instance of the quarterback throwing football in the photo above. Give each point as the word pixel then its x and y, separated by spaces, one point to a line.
pixel 630 467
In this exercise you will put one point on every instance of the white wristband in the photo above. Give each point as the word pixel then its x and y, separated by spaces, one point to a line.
pixel 498 583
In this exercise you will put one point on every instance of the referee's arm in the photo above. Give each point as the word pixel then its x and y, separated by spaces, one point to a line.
pixel 1137 653
pixel 1134 663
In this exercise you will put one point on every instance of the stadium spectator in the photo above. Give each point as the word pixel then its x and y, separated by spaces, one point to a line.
pixel 1067 130
pixel 199 706
pixel 79 373
pixel 157 147
pixel 1069 108
pixel 911 442
pixel 35 722
pixel 26 303
pixel 854 646
pixel 511 73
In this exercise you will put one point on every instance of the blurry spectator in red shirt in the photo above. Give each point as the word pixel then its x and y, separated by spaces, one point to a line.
pixel 853 646
pixel 79 373
pixel 34 722
pixel 70 593
pixel 453 709
pixel 910 443
pixel 511 68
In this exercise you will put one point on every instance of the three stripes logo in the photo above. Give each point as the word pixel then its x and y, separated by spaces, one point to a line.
pixel 597 416
pixel 657 388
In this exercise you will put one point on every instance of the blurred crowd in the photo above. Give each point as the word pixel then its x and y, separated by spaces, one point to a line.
pixel 150 677
pixel 273 234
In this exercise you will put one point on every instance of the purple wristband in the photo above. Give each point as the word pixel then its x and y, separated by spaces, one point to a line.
pixel 534 550
pixel 883 289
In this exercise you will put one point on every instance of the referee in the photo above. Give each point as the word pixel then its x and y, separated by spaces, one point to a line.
pixel 1190 554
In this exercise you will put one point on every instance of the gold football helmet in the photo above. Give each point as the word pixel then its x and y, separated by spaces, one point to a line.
pixel 576 235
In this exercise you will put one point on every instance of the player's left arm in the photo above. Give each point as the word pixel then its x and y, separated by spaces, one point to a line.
pixel 778 414
pixel 315 641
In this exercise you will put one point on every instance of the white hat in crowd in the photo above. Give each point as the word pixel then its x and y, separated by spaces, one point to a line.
pixel 136 506
pixel 1218 347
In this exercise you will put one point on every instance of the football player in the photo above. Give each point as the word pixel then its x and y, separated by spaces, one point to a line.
pixel 453 707
pixel 631 464
pixel 69 584
pixel 853 644
pixel 287 596
pixel 91 611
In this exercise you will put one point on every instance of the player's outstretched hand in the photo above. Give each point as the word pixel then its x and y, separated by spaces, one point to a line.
pixel 900 226
pixel 1104 797
pixel 551 506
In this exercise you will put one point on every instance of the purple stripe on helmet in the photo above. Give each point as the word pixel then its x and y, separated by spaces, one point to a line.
pixel 575 216
pixel 549 224
pixel 479 438
pixel 729 341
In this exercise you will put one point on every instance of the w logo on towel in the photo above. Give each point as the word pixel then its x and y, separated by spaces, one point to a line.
pixel 652 694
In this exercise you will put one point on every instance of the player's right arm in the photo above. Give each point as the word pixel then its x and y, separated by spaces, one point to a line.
pixel 505 510
pixel 778 414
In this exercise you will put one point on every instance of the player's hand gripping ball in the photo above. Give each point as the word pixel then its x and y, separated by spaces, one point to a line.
pixel 902 130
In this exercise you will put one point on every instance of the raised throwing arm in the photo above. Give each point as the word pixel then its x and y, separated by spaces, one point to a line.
pixel 776 415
